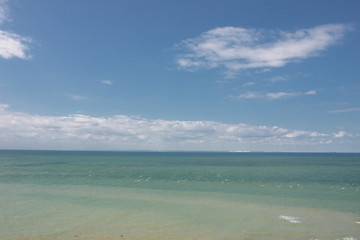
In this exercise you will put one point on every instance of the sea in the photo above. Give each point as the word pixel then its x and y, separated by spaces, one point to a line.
pixel 73 195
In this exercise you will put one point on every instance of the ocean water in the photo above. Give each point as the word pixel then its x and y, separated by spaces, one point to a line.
pixel 139 195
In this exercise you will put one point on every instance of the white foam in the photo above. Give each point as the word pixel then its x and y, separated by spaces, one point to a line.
pixel 290 219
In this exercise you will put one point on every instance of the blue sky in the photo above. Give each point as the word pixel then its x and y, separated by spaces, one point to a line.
pixel 180 75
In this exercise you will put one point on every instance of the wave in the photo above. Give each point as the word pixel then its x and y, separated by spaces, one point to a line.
pixel 290 219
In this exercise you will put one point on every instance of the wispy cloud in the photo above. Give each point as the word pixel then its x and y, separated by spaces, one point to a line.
pixel 107 82
pixel 77 97
pixel 3 11
pixel 247 84
pixel 278 95
pixel 277 79
pixel 345 110
pixel 272 96
pixel 235 48
pixel 11 44
pixel 249 95
pixel 129 132
pixel 311 92
pixel 3 107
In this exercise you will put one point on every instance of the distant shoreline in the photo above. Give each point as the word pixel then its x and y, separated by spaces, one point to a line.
pixel 174 151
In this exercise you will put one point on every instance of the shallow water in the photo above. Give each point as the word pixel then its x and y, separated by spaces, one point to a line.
pixel 110 195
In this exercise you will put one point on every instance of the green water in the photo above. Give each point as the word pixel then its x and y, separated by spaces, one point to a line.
pixel 125 195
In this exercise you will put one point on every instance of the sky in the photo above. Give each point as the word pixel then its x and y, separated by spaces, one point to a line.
pixel 190 75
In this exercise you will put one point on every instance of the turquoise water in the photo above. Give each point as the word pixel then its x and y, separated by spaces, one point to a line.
pixel 128 195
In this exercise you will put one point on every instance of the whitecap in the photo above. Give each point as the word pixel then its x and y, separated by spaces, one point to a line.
pixel 290 219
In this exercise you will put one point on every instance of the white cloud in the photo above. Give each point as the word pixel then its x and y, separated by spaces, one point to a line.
pixel 120 132
pixel 235 48
pixel 273 96
pixel 107 82
pixel 342 134
pixel 11 44
pixel 278 95
pixel 345 110
pixel 297 134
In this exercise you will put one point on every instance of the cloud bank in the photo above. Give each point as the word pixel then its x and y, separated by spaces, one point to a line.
pixel 121 132
pixel 11 45
pixel 235 48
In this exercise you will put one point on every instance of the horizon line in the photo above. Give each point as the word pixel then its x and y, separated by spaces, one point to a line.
pixel 172 151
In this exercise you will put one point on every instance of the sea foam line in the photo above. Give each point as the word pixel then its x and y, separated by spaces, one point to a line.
pixel 290 219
